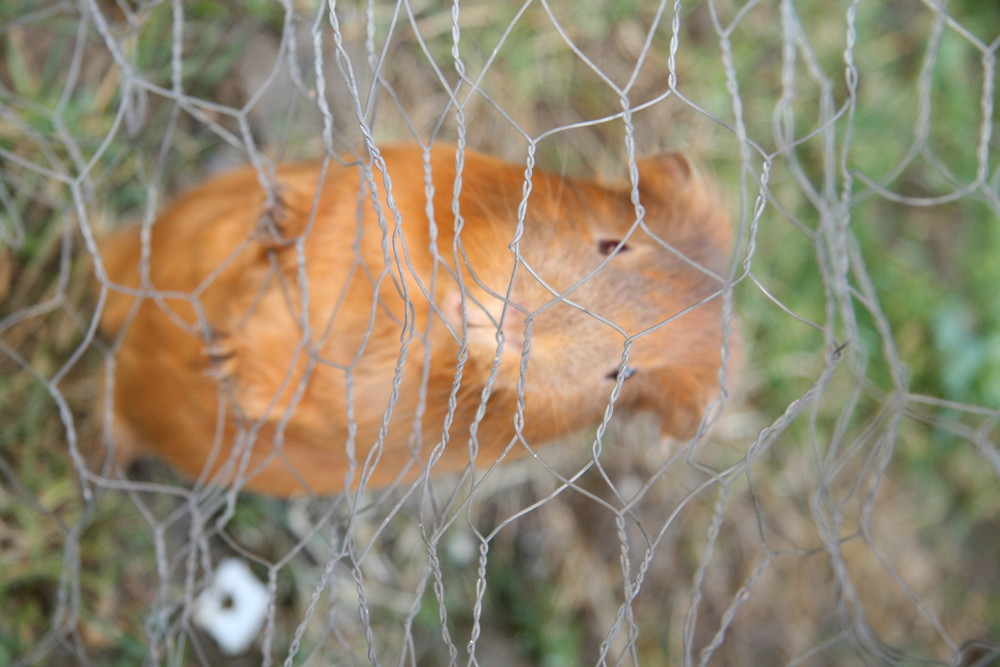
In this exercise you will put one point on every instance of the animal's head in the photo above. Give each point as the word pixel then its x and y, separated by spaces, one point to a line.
pixel 593 288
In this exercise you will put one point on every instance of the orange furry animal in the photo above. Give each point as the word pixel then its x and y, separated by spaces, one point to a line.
pixel 316 342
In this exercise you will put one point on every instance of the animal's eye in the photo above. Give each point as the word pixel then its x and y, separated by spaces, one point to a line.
pixel 607 246
pixel 626 374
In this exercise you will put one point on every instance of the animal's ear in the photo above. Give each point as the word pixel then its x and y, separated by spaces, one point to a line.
pixel 661 174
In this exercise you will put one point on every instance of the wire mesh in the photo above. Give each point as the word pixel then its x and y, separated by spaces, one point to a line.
pixel 840 510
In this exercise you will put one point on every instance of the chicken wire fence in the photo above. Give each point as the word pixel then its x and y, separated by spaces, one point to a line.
pixel 841 509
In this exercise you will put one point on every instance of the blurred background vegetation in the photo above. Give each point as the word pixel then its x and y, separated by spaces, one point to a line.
pixel 862 529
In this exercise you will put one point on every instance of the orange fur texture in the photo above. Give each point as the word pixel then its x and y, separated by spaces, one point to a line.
pixel 356 330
